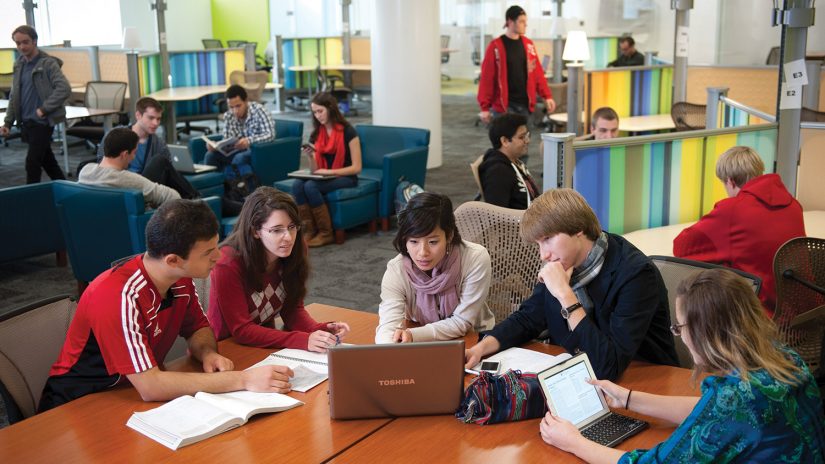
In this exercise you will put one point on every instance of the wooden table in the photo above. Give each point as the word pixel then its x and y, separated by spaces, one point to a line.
pixel 76 112
pixel 633 124
pixel 404 439
pixel 177 94
pixel 93 428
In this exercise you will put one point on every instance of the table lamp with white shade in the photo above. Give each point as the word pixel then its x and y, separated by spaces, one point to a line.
pixel 576 52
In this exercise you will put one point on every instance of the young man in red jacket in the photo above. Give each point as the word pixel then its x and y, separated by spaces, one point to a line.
pixel 745 230
pixel 511 74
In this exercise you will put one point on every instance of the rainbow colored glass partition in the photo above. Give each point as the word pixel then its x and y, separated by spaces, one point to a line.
pixel 309 52
pixel 643 182
pixel 629 91
pixel 603 50
pixel 7 59
pixel 209 67
pixel 730 116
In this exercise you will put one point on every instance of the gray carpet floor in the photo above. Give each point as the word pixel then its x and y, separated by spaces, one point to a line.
pixel 347 275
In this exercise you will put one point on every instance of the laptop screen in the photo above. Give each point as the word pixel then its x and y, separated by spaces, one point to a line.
pixel 567 393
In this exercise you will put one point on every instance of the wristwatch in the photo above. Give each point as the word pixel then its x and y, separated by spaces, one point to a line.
pixel 565 312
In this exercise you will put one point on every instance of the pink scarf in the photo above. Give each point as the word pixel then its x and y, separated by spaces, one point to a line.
pixel 436 297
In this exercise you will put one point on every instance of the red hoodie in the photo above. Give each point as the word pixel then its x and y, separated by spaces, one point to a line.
pixel 744 232
pixel 492 86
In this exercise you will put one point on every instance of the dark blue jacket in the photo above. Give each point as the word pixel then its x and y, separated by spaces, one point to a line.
pixel 630 320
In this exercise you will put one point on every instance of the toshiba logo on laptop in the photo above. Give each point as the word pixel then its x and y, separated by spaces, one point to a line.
pixel 396 382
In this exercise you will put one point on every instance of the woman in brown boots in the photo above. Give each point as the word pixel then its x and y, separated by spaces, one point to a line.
pixel 337 152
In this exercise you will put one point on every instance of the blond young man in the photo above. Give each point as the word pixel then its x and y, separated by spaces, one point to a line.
pixel 597 293
pixel 734 233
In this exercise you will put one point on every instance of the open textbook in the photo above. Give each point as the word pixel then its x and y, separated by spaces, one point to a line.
pixel 188 419
pixel 522 360
pixel 226 147
pixel 310 368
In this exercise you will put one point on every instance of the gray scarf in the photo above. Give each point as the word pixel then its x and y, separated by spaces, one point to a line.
pixel 588 271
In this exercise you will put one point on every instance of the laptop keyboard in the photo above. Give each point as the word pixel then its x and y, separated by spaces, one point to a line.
pixel 612 429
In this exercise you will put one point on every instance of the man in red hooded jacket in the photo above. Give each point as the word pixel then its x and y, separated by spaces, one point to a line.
pixel 745 230
pixel 511 74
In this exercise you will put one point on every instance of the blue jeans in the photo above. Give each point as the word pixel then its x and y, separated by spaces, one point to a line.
pixel 312 191
pixel 215 158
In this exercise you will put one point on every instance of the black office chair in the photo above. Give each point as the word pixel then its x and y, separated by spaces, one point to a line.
pixel 212 43
pixel 687 116
pixel 107 95
pixel 235 43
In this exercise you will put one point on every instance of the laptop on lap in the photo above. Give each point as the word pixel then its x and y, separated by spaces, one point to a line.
pixel 409 379
pixel 182 161
pixel 570 397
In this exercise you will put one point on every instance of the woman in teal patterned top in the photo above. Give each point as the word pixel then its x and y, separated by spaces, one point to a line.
pixel 758 404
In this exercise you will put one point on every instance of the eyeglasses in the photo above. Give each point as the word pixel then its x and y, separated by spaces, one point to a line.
pixel 676 329
pixel 280 231
pixel 525 137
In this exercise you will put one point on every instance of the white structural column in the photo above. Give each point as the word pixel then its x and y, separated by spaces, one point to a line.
pixel 406 68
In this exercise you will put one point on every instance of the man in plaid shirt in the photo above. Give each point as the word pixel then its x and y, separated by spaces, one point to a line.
pixel 246 120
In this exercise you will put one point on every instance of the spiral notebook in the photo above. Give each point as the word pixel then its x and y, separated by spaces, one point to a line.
pixel 310 368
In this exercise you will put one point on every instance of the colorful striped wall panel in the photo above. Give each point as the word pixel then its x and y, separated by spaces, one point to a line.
pixel 188 69
pixel 640 186
pixel 7 59
pixel 309 52
pixel 629 92
pixel 729 116
pixel 603 50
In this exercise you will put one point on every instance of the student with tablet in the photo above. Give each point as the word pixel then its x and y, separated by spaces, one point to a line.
pixel 438 280
pixel 759 403
pixel 262 276
pixel 596 292
pixel 336 150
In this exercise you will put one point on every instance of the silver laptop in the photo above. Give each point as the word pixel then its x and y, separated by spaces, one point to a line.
pixel 409 379
pixel 182 161
pixel 307 174
pixel 570 397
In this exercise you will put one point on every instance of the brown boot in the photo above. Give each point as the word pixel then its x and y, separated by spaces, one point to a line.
pixel 307 222
pixel 324 223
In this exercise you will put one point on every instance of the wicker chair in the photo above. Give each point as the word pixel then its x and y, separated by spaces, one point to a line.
pixel 474 168
pixel 799 270
pixel 809 115
pixel 30 341
pixel 673 271
pixel 687 116
pixel 515 263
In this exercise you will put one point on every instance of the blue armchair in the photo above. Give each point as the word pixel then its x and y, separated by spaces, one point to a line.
pixel 388 154
pixel 271 161
pixel 30 224
pixel 103 224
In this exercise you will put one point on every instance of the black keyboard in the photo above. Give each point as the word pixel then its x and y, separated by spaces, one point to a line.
pixel 613 429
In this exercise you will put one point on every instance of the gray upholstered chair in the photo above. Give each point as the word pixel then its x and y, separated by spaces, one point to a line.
pixel 673 271
pixel 31 338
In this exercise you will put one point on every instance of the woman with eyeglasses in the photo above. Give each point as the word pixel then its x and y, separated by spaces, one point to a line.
pixel 438 281
pixel 262 274
pixel 759 403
